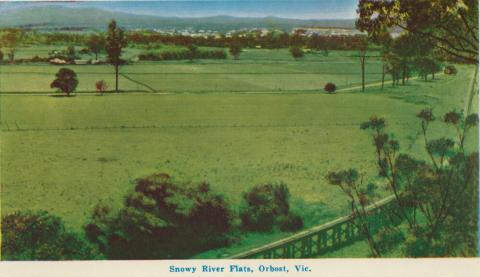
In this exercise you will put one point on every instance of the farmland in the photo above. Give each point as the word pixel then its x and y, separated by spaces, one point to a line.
pixel 257 71
pixel 65 154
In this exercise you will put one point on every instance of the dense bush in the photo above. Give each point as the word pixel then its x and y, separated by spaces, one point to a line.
pixel 290 223
pixel 450 70
pixel 330 88
pixel 162 219
pixel 266 206
pixel 183 55
pixel 41 236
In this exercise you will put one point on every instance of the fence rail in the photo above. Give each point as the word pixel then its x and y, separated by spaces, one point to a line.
pixel 321 239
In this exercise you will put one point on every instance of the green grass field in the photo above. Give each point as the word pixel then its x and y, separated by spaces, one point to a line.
pixel 258 70
pixel 65 154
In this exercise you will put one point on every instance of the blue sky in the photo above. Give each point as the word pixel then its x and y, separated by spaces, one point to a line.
pixel 302 9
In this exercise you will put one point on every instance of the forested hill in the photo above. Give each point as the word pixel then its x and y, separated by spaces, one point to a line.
pixel 48 17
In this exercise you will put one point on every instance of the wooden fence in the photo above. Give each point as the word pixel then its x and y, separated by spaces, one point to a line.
pixel 324 238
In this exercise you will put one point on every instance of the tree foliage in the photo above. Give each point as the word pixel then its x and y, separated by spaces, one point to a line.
pixel 266 206
pixel 10 39
pixel 193 51
pixel 101 86
pixel 435 199
pixel 235 50
pixel 65 81
pixel 330 87
pixel 161 219
pixel 41 236
pixel 297 52
pixel 96 44
pixel 114 44
pixel 452 25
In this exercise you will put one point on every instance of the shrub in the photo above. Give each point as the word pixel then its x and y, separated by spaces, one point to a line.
pixel 450 70
pixel 101 86
pixel 41 236
pixel 330 88
pixel 291 223
pixel 297 52
pixel 264 207
pixel 161 219
pixel 388 239
pixel 1 57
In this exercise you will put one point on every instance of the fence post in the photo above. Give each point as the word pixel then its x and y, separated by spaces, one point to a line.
pixel 319 243
pixel 309 246
pixel 287 251
pixel 347 232
pixel 303 249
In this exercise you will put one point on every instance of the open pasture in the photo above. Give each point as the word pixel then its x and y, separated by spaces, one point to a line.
pixel 65 154
pixel 256 71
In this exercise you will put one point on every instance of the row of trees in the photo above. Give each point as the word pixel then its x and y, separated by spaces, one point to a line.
pixel 12 38
pixel 271 40
pixel 191 53
pixel 159 219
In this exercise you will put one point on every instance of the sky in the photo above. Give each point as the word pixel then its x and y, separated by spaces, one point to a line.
pixel 300 9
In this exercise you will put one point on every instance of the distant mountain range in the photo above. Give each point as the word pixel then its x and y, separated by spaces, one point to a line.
pixel 51 17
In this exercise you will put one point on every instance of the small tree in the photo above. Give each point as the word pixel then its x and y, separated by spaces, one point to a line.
pixel 101 86
pixel 1 57
pixel 193 51
pixel 10 39
pixel 70 53
pixel 330 88
pixel 115 42
pixel 297 52
pixel 41 236
pixel 65 81
pixel 95 44
pixel 235 50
